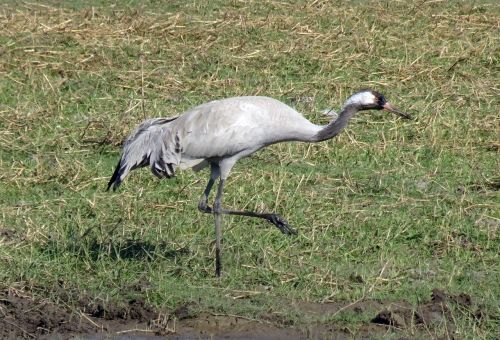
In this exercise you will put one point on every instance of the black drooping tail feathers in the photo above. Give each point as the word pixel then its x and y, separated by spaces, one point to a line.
pixel 149 144
pixel 122 171
pixel 115 179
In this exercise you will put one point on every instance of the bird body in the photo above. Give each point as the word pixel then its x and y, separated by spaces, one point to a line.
pixel 219 133
pixel 228 127
pixel 222 129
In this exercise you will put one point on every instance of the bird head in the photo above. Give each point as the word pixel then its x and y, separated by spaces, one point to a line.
pixel 369 99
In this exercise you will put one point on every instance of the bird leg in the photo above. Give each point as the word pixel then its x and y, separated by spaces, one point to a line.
pixel 275 219
pixel 218 225
pixel 214 174
pixel 203 205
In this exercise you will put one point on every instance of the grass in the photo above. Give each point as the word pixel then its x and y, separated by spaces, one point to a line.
pixel 407 206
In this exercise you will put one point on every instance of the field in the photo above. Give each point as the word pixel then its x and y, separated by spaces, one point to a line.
pixel 398 221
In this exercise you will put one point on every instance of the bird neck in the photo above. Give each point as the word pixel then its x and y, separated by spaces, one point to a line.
pixel 337 125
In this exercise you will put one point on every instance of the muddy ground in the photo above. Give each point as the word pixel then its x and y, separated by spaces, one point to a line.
pixel 23 317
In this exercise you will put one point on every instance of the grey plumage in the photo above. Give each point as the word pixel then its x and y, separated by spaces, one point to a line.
pixel 221 132
pixel 146 146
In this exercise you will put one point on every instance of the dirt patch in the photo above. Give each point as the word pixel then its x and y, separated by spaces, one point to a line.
pixel 7 235
pixel 232 327
pixel 433 313
pixel 23 317
pixel 135 310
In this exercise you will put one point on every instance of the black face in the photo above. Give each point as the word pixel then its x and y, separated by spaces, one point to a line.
pixel 379 105
pixel 380 102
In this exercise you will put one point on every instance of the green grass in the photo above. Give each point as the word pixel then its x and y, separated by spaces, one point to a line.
pixel 408 206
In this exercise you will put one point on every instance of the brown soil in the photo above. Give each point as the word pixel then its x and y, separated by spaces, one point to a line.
pixel 23 317
pixel 7 235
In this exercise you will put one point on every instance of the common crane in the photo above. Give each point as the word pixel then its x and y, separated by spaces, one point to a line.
pixel 219 133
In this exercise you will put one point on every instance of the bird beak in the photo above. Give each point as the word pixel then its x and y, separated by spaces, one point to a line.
pixel 390 108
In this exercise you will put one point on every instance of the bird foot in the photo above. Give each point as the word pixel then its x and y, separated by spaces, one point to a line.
pixel 204 207
pixel 281 224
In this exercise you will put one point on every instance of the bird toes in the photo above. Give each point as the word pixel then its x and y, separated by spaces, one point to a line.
pixel 282 225
pixel 204 207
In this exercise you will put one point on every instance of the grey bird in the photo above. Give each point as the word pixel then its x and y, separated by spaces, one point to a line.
pixel 219 133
